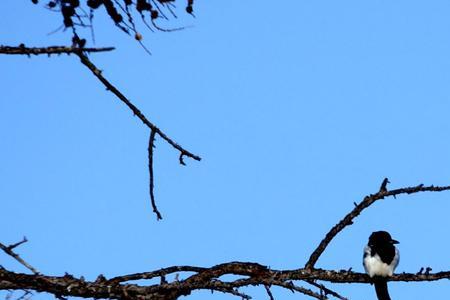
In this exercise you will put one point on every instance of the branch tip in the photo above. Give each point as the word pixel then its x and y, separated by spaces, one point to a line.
pixel 181 159
pixel 383 187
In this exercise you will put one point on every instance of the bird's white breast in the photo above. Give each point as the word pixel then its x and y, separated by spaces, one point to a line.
pixel 374 266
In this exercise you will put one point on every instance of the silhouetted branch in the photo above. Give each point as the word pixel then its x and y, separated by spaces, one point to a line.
pixel 22 50
pixel 132 107
pixel 154 129
pixel 269 292
pixel 23 241
pixel 367 201
pixel 157 273
pixel 326 290
pixel 295 288
pixel 81 53
pixel 151 145
pixel 121 12
pixel 9 250
pixel 383 186
pixel 204 279
pixel 249 274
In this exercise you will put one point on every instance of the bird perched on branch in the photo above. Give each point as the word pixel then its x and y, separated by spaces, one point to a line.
pixel 380 260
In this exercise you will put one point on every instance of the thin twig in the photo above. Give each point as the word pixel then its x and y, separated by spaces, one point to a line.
pixel 284 283
pixel 157 273
pixel 326 290
pixel 269 292
pixel 224 287
pixel 12 246
pixel 26 293
pixel 291 286
pixel 151 145
pixel 367 201
pixel 8 250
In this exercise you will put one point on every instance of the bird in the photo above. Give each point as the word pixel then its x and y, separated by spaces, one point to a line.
pixel 380 259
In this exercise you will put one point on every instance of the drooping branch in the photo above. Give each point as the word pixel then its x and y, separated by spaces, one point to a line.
pixel 97 73
pixel 153 128
pixel 22 50
pixel 365 203
pixel 151 145
pixel 81 53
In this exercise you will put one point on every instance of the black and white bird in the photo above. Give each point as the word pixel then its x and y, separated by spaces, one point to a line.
pixel 380 260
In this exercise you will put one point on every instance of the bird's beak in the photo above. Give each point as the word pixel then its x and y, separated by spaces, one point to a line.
pixel 395 242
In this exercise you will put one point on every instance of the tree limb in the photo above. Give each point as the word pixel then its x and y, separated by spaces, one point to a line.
pixel 257 275
pixel 153 128
pixel 81 53
pixel 9 250
pixel 151 145
pixel 367 201
pixel 22 50
pixel 110 87
pixel 250 274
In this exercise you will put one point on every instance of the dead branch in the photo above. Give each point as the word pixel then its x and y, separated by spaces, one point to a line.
pixel 326 290
pixel 154 129
pixel 250 274
pixel 81 53
pixel 110 87
pixel 204 279
pixel 157 273
pixel 367 201
pixel 151 145
pixel 9 250
pixel 74 13
pixel 22 50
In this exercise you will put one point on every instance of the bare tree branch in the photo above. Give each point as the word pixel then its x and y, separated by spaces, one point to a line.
pixel 9 250
pixel 23 241
pixel 97 73
pixel 70 286
pixel 250 274
pixel 326 290
pixel 157 273
pixel 269 292
pixel 367 201
pixel 151 145
pixel 22 50
pixel 81 53
pixel 153 128
pixel 295 288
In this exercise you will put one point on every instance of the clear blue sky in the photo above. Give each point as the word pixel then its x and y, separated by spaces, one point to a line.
pixel 297 109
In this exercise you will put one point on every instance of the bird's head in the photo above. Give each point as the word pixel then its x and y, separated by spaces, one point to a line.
pixel 380 238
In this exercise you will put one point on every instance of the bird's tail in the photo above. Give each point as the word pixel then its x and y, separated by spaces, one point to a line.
pixel 381 288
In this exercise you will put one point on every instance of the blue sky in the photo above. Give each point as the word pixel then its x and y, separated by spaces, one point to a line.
pixel 297 109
